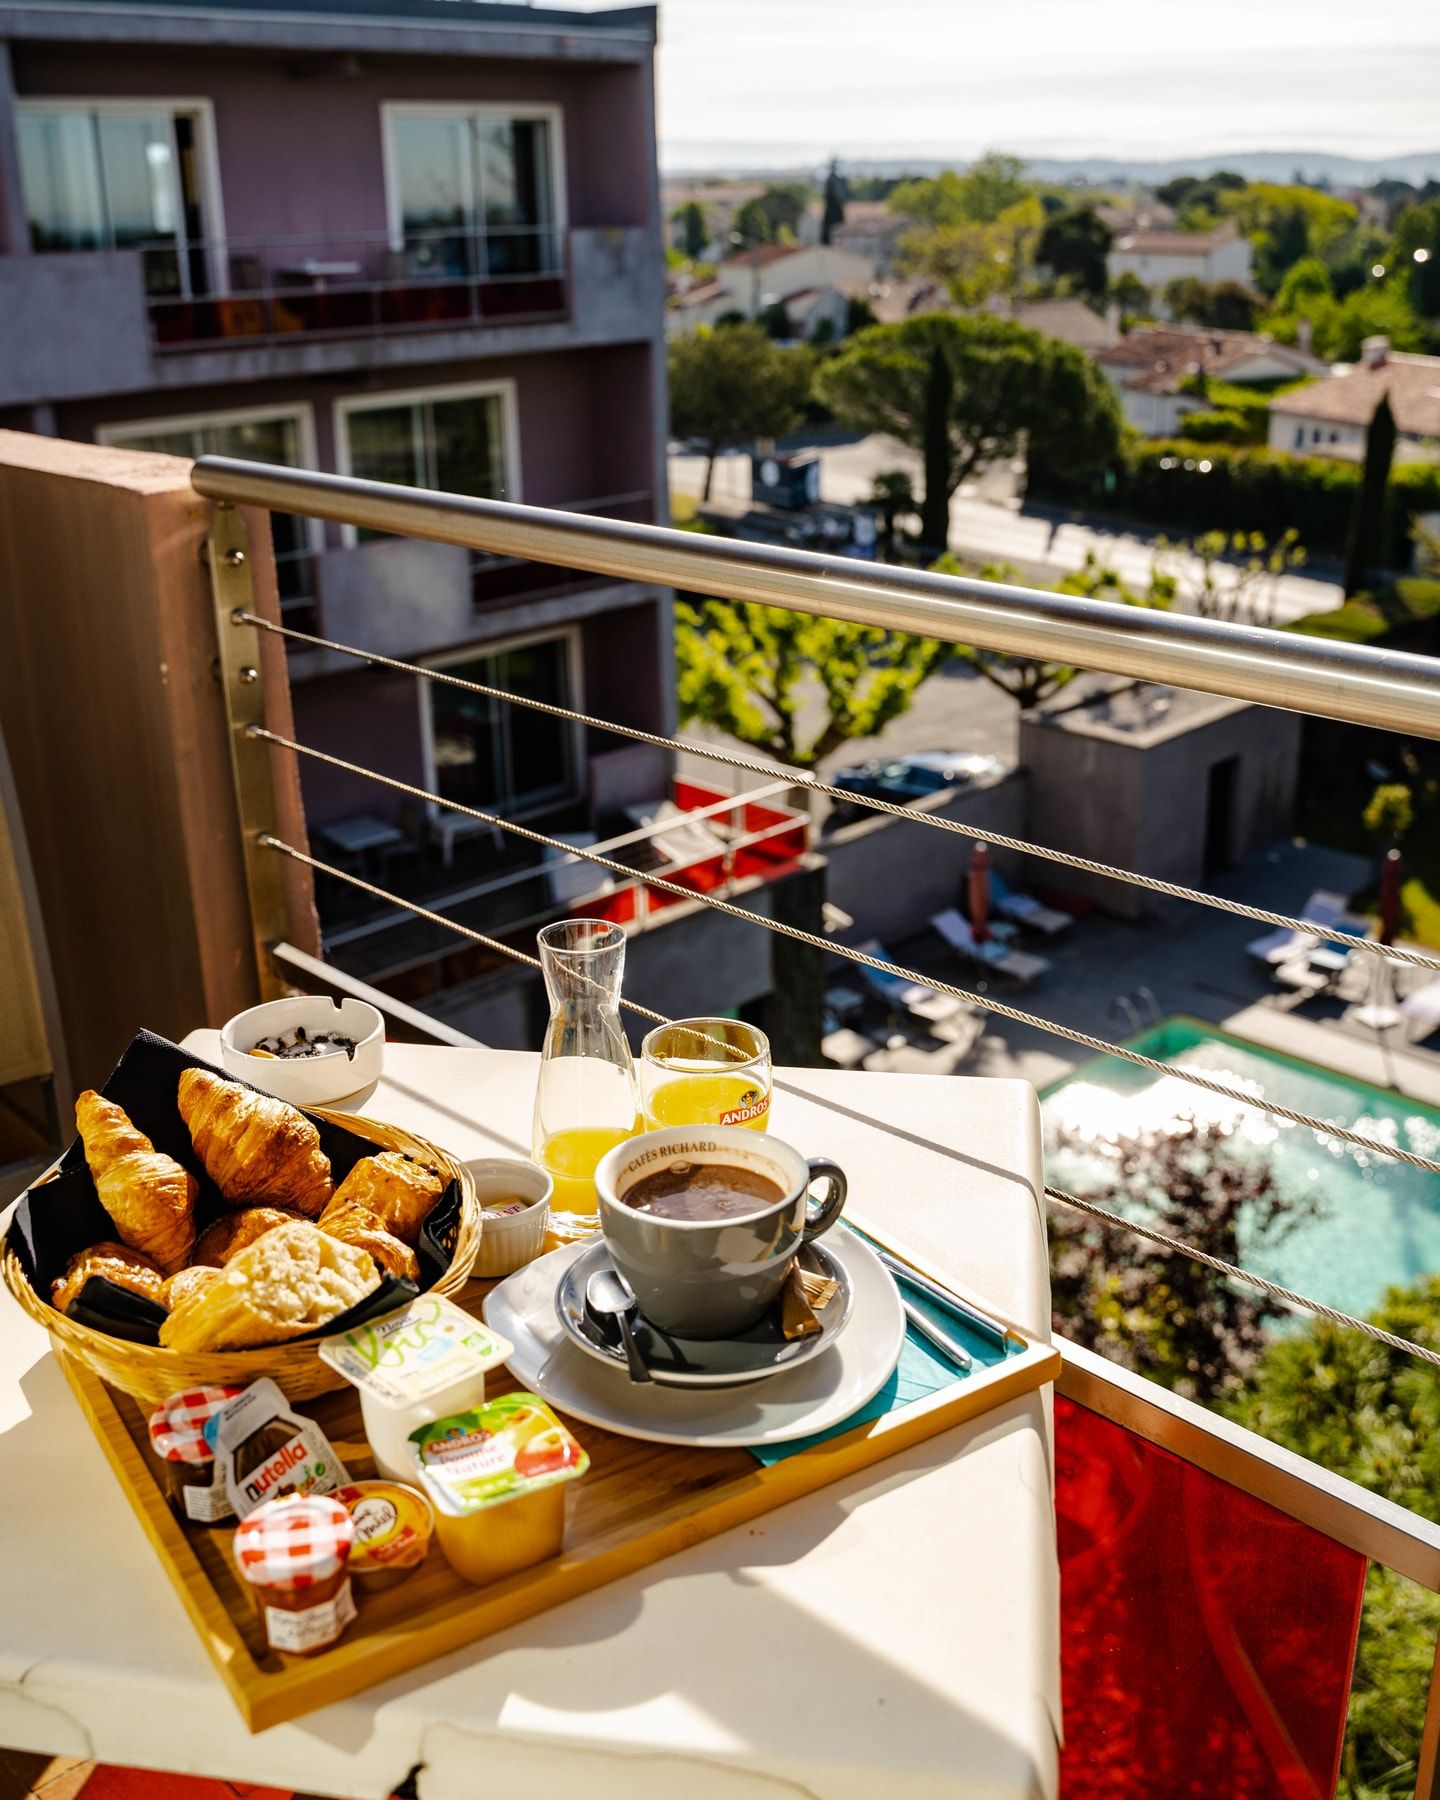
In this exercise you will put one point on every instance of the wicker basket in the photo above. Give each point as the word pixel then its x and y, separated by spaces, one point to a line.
pixel 151 1374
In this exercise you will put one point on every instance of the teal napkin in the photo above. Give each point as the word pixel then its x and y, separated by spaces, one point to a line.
pixel 922 1370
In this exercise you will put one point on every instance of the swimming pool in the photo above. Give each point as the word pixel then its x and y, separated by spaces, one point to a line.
pixel 1378 1221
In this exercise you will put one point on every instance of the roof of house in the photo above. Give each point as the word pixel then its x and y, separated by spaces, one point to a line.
pixel 1162 356
pixel 701 295
pixel 1175 243
pixel 897 298
pixel 1069 320
pixel 874 221
pixel 763 254
pixel 1350 397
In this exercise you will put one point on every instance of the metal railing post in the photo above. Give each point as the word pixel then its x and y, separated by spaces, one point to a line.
pixel 238 672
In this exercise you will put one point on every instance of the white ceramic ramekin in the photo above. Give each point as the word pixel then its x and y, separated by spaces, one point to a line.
pixel 509 1240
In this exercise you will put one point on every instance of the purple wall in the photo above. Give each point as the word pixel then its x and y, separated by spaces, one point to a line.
pixel 300 141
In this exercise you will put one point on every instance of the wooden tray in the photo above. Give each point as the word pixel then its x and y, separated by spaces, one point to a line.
pixel 640 1503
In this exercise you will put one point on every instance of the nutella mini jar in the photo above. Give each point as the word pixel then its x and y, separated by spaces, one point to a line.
pixel 293 1553
pixel 187 1461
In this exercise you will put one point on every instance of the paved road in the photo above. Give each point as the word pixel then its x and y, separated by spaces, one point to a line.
pixel 986 524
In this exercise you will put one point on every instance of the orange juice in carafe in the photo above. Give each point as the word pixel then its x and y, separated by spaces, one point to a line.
pixel 586 1099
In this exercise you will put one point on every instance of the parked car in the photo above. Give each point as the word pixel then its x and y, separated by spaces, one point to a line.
pixel 906 778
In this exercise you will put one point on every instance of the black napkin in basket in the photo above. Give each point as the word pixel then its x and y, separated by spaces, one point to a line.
pixel 57 1218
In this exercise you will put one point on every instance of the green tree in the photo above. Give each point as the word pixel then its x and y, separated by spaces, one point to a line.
pixel 1306 283
pixel 1074 244
pixel 1025 679
pixel 966 391
pixel 1286 223
pixel 729 384
pixel 1233 306
pixel 834 207
pixel 751 226
pixel 977 260
pixel 1367 521
pixel 783 204
pixel 892 493
pixel 1389 813
pixel 1160 1314
pixel 988 188
pixel 1372 1415
pixel 1187 297
pixel 1417 252
pixel 694 232
pixel 759 673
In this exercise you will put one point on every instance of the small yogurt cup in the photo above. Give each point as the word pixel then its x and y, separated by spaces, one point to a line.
pixel 306 1080
pixel 509 1240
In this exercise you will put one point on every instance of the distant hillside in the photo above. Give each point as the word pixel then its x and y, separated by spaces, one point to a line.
pixel 1255 165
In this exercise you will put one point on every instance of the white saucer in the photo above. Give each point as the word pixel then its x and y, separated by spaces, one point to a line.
pixel 814 1397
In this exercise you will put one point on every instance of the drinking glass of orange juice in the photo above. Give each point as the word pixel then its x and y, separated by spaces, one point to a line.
pixel 705 1072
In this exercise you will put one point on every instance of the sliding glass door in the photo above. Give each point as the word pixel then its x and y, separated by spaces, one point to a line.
pixel 117 176
pixel 473 192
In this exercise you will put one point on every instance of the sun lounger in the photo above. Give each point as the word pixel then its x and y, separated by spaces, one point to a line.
pixel 1421 1011
pixel 1019 965
pixel 1283 945
pixel 906 996
pixel 1025 909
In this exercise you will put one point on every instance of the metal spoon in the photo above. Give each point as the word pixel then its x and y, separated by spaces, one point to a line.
pixel 608 1295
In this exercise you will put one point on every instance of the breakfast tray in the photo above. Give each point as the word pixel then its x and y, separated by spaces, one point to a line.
pixel 640 1502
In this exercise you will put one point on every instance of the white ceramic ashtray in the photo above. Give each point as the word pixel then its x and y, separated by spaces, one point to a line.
pixel 514 1197
pixel 305 1064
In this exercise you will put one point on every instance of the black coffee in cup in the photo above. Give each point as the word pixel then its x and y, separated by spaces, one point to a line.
pixel 703 1192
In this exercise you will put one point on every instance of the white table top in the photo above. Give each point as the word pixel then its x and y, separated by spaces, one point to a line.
pixel 896 1632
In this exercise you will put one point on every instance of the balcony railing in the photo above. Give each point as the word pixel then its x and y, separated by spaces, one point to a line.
pixel 1156 1438
pixel 245 291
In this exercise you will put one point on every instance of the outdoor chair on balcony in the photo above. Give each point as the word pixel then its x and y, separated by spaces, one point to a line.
pixel 684 839
pixel 905 998
pixel 991 955
pixel 1024 909
pixel 568 882
pixel 446 827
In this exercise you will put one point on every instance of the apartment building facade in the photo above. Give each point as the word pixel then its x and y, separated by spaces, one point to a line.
pixel 400 239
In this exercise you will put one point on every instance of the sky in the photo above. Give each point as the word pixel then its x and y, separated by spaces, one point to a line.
pixel 789 81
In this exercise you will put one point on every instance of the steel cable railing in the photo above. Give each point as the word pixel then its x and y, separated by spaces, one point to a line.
pixel 1287 1297
pixel 812 784
pixel 1086 1040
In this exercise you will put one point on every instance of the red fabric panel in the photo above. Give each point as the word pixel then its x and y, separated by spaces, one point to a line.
pixel 1206 1639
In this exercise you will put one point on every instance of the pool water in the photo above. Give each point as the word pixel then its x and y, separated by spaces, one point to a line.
pixel 1377 1222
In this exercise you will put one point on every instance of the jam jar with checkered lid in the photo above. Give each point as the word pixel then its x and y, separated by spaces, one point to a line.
pixel 293 1552
pixel 187 1462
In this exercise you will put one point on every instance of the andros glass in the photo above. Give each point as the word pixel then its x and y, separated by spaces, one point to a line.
pixel 706 1072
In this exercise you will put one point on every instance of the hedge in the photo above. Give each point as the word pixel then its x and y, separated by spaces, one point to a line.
pixel 1192 487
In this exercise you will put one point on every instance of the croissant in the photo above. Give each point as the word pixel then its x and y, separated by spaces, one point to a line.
pixel 117 1263
pixel 149 1197
pixel 195 1280
pixel 398 1191
pixel 255 1149
pixel 359 1226
pixel 293 1280
pixel 237 1231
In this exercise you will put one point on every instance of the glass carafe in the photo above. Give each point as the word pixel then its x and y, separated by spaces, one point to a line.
pixel 587 1100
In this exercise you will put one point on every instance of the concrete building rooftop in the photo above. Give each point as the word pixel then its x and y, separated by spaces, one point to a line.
pixel 1141 713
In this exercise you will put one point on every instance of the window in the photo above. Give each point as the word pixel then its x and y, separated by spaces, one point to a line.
pixel 266 437
pixel 457 441
pixel 122 175
pixel 474 191
pixel 495 756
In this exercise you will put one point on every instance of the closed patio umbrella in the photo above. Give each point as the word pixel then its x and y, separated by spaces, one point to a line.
pixel 979 892
pixel 1390 897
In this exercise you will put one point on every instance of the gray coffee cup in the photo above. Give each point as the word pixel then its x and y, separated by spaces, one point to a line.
pixel 705 1278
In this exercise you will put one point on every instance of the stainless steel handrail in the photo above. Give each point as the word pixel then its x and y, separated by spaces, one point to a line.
pixel 1386 688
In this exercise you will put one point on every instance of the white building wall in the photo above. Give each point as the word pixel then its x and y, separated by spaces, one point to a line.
pixel 1300 436
pixel 1227 262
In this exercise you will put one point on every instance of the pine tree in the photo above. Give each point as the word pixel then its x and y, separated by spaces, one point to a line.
pixel 1367 521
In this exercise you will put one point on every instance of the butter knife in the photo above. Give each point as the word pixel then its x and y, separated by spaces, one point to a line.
pixel 921 1284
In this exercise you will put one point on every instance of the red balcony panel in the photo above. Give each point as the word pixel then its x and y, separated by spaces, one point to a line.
pixel 536 297
pixel 690 796
pixel 425 303
pixel 704 876
pixel 619 908
pixel 1207 1640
